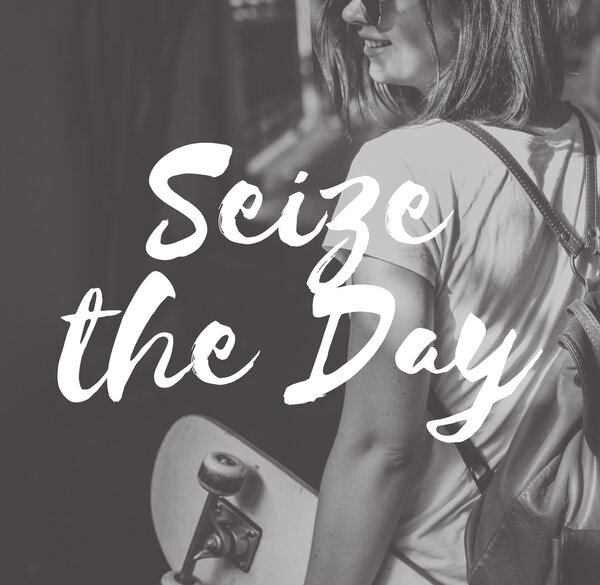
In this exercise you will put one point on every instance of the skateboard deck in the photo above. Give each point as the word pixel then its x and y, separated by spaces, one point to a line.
pixel 279 503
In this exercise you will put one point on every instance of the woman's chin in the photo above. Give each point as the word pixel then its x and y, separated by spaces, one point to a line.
pixel 379 75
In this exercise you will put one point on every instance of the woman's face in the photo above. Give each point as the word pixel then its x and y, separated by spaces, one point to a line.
pixel 399 48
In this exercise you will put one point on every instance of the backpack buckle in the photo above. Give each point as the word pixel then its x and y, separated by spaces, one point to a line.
pixel 592 257
pixel 575 271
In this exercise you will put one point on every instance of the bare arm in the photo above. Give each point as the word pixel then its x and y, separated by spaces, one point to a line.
pixel 371 466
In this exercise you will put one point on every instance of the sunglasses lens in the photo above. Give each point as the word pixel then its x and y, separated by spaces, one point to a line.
pixel 372 10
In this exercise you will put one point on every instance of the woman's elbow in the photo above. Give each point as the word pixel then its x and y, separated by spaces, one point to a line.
pixel 397 456
pixel 392 460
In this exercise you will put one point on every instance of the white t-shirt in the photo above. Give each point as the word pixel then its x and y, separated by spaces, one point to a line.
pixel 496 259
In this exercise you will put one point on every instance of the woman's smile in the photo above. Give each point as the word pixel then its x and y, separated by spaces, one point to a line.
pixel 397 48
pixel 375 47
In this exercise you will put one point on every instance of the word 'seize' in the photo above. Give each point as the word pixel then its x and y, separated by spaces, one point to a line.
pixel 331 299
pixel 211 160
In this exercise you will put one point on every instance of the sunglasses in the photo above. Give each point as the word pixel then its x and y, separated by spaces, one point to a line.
pixel 372 11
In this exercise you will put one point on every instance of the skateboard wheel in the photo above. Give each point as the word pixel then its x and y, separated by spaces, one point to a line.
pixel 222 474
pixel 171 579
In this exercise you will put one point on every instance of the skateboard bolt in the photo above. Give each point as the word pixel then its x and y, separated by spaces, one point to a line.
pixel 251 533
pixel 214 544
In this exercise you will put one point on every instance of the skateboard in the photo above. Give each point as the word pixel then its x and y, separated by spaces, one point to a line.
pixel 225 513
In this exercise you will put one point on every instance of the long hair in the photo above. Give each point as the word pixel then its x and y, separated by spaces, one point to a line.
pixel 508 67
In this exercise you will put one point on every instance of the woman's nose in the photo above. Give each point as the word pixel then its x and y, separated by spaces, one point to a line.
pixel 353 13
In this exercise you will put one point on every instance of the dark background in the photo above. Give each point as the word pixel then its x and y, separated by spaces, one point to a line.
pixel 93 94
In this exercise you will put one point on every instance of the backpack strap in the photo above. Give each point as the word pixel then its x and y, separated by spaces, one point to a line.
pixel 566 234
pixel 591 180
pixel 581 338
pixel 474 460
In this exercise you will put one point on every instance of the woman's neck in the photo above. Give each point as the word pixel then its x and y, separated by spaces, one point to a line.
pixel 552 118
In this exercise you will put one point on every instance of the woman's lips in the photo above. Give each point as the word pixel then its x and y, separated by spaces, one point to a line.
pixel 372 48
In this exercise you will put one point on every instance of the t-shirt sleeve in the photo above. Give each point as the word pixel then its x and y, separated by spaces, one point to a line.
pixel 382 159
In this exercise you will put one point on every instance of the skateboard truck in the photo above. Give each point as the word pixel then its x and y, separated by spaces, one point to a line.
pixel 222 531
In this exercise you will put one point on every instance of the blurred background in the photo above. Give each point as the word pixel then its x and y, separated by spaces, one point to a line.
pixel 94 92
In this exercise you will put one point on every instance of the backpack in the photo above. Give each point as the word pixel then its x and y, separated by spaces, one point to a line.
pixel 537 521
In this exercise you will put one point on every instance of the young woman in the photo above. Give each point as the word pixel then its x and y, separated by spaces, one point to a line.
pixel 388 482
